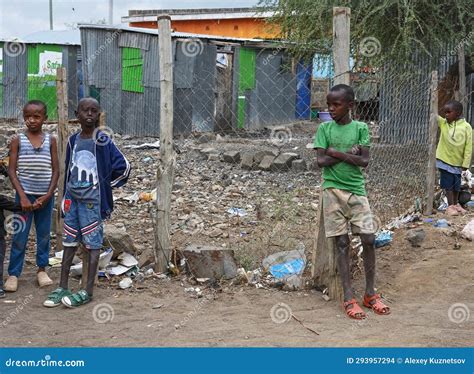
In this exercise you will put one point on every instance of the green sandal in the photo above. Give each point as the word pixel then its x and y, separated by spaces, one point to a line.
pixel 54 298
pixel 77 299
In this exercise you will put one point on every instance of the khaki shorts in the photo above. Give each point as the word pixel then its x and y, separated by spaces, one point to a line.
pixel 343 207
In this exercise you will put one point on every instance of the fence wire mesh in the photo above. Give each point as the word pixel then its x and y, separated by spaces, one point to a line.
pixel 244 120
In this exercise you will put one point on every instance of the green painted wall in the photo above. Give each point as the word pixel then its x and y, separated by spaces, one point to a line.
pixel 42 87
pixel 132 70
pixel 247 63
pixel 1 79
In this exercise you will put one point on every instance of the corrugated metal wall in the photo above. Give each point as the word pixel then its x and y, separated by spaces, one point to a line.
pixel 272 102
pixel 15 81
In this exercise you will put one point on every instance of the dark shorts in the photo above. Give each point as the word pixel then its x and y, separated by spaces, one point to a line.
pixel 449 181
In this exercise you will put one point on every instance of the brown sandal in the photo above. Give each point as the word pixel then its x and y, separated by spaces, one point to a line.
pixel 374 303
pixel 356 311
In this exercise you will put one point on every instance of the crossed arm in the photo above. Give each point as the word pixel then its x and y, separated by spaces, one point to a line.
pixel 358 156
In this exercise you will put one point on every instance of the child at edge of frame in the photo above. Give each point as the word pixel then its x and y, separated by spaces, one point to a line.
pixel 453 154
pixel 94 165
pixel 12 206
pixel 342 147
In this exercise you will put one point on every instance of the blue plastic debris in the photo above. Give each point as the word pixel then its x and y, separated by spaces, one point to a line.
pixel 282 271
pixel 441 223
pixel 428 220
pixel 470 204
pixel 237 212
pixel 383 238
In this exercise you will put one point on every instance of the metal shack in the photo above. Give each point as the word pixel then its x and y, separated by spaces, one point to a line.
pixel 220 83
pixel 28 70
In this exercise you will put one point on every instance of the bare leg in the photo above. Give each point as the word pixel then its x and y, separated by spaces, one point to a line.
pixel 455 197
pixel 450 197
pixel 343 264
pixel 68 256
pixel 369 262
pixel 93 266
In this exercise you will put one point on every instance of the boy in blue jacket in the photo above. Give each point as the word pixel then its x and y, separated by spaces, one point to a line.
pixel 94 165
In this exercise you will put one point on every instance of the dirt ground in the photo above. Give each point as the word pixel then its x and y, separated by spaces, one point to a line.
pixel 422 284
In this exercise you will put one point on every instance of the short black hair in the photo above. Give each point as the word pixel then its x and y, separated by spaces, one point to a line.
pixel 88 98
pixel 39 103
pixel 348 91
pixel 456 105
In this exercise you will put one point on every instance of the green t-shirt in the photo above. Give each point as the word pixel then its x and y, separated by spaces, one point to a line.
pixel 343 175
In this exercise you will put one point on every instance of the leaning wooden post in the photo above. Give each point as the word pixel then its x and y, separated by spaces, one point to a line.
pixel 167 161
pixel 433 130
pixel 341 22
pixel 62 106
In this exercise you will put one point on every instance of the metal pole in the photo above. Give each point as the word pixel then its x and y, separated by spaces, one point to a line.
pixel 111 12
pixel 50 14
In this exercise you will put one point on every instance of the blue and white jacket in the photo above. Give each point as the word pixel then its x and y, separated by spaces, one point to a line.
pixel 113 169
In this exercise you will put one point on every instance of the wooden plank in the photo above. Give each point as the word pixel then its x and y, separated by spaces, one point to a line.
pixel 62 107
pixel 462 76
pixel 431 176
pixel 167 160
pixel 341 44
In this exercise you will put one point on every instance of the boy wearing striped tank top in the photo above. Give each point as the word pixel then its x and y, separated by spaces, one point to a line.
pixel 34 173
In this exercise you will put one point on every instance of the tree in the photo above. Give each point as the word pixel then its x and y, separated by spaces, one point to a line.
pixel 398 30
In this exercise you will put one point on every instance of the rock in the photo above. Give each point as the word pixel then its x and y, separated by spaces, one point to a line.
pixel 266 163
pixel 232 157
pixel 283 161
pixel 415 236
pixel 125 283
pixel 118 238
pixel 206 138
pixel 247 161
pixel 146 258
pixel 258 156
pixel 210 262
pixel 299 166
pixel 213 157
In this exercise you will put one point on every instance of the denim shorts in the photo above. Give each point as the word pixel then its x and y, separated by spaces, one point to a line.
pixel 449 181
pixel 82 223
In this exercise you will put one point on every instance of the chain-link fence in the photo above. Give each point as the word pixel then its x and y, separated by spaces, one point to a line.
pixel 245 113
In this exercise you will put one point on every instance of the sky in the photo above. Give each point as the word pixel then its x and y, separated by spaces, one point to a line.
pixel 19 18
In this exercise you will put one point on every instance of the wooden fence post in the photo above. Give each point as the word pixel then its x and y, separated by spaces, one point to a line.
pixel 62 106
pixel 341 22
pixel 167 161
pixel 430 180
pixel 462 76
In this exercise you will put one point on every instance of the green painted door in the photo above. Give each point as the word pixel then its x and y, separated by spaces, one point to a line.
pixel 247 59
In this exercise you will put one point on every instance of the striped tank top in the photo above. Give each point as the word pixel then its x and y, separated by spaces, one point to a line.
pixel 34 168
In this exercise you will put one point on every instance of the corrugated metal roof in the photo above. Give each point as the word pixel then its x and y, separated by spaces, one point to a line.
pixel 173 34
pixel 60 37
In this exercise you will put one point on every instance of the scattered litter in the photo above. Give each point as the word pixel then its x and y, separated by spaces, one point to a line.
pixel 441 223
pixel 428 220
pixel 147 159
pixel 117 270
pixel 155 145
pixel 157 306
pixel 468 231
pixel 125 283
pixel 470 204
pixel 147 196
pixel 104 260
pixel 9 301
pixel 326 297
pixel 287 266
pixel 443 203
pixel 202 280
pixel 126 259
pixel 404 220
pixel 383 238
pixel 237 212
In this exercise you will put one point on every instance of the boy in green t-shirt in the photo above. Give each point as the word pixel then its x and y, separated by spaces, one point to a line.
pixel 342 149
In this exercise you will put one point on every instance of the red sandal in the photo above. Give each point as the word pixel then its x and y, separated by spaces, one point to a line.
pixel 356 311
pixel 374 303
